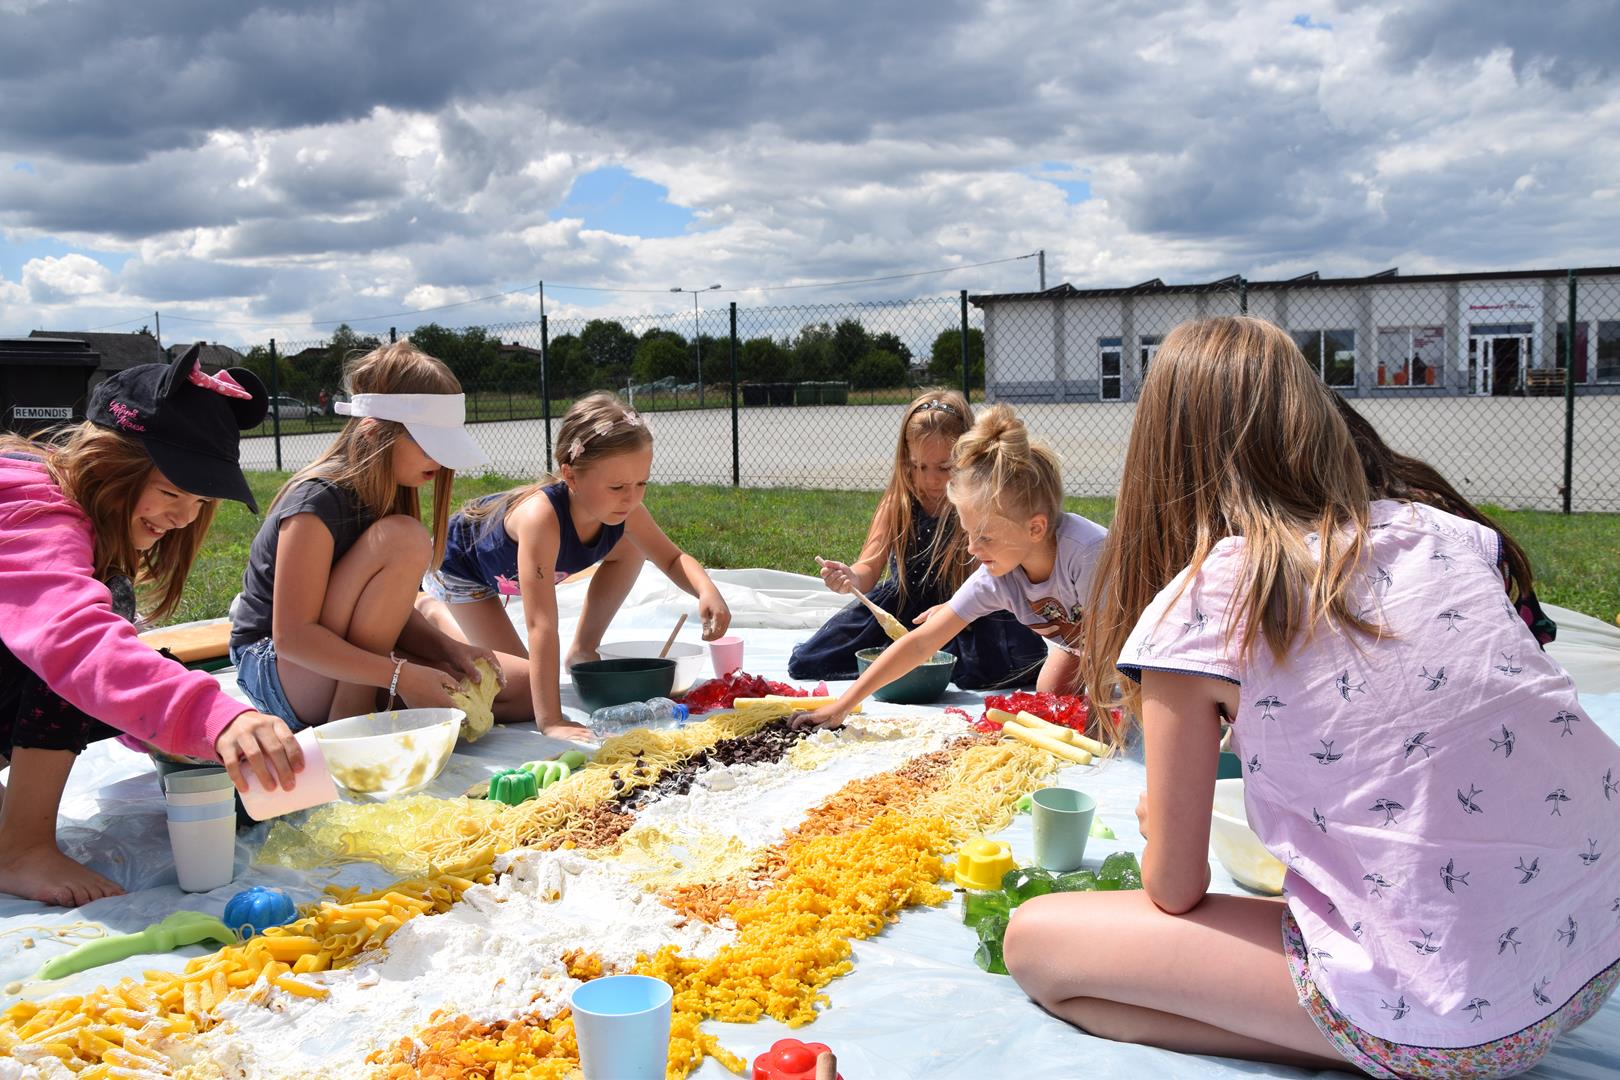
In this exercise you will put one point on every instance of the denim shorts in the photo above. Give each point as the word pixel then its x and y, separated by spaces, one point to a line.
pixel 256 675
pixel 454 590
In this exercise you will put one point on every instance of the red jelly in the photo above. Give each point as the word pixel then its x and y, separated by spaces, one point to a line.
pixel 721 693
pixel 790 1059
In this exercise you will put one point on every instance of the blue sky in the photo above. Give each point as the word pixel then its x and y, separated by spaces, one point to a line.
pixel 616 200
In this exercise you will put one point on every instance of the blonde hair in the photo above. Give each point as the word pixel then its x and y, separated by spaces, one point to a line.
pixel 596 427
pixel 1234 435
pixel 933 414
pixel 105 472
pixel 361 457
pixel 998 469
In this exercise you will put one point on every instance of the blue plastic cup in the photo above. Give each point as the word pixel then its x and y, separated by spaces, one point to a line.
pixel 1062 818
pixel 622 1025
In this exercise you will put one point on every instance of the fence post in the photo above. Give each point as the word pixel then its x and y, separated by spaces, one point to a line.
pixel 545 386
pixel 967 367
pixel 1243 295
pixel 736 448
pixel 1569 397
pixel 275 406
pixel 393 335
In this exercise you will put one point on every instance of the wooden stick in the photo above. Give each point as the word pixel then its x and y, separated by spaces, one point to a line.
pixel 664 652
pixel 826 1066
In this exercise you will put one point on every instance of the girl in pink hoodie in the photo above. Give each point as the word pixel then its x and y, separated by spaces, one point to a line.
pixel 123 499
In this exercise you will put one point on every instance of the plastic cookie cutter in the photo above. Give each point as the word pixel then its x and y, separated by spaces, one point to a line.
pixel 980 863
pixel 255 910
pixel 513 786
pixel 790 1059
pixel 181 928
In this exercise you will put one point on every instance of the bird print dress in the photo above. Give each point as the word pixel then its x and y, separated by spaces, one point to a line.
pixel 1449 816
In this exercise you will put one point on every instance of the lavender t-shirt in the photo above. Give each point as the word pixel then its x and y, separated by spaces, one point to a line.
pixel 1449 815
pixel 1052 608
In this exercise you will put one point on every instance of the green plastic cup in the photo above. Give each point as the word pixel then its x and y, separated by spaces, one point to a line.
pixel 1062 818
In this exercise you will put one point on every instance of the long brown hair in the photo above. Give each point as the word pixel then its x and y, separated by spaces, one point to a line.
pixel 1391 475
pixel 597 426
pixel 105 472
pixel 361 458
pixel 1234 435
pixel 933 414
pixel 1001 470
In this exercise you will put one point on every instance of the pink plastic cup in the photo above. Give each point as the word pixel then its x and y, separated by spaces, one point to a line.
pixel 725 653
pixel 312 785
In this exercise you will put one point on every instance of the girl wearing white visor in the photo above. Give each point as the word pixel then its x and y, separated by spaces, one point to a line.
pixel 325 625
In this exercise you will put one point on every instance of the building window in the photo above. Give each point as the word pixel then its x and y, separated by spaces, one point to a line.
pixel 1332 353
pixel 1411 355
pixel 1582 331
pixel 1108 354
pixel 1149 347
pixel 1608 352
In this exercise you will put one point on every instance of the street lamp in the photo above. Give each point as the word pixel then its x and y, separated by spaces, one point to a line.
pixel 697 337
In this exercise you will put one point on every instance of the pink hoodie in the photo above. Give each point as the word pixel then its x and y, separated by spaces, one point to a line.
pixel 58 620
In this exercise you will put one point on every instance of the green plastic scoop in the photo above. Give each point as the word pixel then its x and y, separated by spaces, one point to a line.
pixel 181 928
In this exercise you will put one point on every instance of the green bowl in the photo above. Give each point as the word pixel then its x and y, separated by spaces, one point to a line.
pixel 600 683
pixel 922 685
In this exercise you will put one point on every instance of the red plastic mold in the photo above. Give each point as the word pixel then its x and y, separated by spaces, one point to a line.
pixel 790 1059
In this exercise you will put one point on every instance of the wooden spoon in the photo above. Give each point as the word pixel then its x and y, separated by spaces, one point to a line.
pixel 891 625
pixel 664 652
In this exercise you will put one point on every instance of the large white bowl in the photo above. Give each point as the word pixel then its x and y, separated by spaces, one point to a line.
pixel 1235 844
pixel 381 755
pixel 688 658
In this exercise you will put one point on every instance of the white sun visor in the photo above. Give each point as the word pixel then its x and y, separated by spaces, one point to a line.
pixel 434 421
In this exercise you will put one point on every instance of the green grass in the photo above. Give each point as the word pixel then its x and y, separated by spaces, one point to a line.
pixel 1575 558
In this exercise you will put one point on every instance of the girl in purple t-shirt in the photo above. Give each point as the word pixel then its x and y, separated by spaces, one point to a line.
pixel 1443 804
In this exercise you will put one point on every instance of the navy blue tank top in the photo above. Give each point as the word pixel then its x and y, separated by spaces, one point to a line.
pixel 482 551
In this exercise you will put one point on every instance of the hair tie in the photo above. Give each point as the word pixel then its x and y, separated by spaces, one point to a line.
pixel 575 451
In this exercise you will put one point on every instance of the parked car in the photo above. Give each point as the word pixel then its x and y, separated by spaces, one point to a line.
pixel 290 408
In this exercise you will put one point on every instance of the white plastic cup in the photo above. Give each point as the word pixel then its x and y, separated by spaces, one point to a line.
pixel 312 785
pixel 622 1025
pixel 201 806
pixel 726 653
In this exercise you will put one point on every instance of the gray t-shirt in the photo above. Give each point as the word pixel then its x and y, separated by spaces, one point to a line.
pixel 1052 608
pixel 336 507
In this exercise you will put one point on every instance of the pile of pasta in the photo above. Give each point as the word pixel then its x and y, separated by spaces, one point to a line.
pixel 111 1031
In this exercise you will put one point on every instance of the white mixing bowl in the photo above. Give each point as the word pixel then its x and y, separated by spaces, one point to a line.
pixel 688 658
pixel 1235 844
pixel 381 755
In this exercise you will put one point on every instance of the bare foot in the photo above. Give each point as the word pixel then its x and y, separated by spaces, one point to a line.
pixel 567 729
pixel 43 873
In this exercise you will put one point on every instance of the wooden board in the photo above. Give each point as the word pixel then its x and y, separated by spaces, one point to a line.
pixel 194 642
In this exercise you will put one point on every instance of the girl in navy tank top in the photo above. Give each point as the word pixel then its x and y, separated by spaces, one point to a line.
pixel 527 540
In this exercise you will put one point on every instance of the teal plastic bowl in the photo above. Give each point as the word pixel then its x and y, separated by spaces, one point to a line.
pixel 600 683
pixel 922 685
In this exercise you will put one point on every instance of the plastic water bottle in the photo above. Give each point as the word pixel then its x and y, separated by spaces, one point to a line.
pixel 658 714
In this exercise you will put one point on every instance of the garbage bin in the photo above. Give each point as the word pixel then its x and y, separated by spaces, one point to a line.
pixel 756 394
pixel 807 393
pixel 781 393
pixel 835 393
pixel 43 382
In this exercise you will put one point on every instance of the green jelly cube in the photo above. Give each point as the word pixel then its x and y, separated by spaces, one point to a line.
pixel 988 957
pixel 1077 881
pixel 1117 864
pixel 1027 882
pixel 977 906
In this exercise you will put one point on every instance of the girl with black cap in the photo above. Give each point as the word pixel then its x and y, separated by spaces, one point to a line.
pixel 124 498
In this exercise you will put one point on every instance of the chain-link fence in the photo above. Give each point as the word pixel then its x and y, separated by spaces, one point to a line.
pixel 1508 384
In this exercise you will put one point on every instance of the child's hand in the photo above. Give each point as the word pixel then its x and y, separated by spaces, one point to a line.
pixel 715 614
pixel 262 743
pixel 422 686
pixel 838 576
pixel 825 717
pixel 929 614
pixel 564 728
pixel 463 660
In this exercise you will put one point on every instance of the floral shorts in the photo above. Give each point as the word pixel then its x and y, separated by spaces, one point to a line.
pixel 1507 1056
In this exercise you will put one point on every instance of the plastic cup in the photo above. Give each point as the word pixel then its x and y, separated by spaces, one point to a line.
pixel 726 654
pixel 312 785
pixel 201 806
pixel 622 1025
pixel 1062 819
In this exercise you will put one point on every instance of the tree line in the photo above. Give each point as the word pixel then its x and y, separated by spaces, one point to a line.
pixel 604 354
